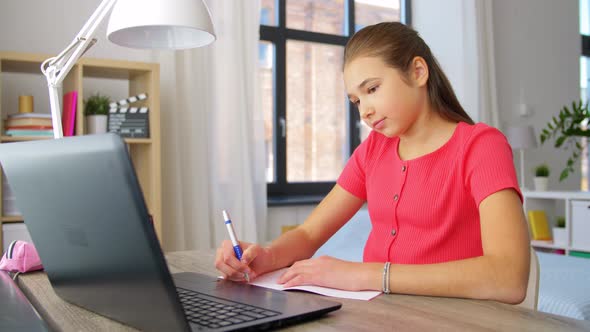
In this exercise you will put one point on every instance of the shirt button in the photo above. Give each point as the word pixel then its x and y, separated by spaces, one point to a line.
pixel 393 232
pixel 404 168
pixel 396 197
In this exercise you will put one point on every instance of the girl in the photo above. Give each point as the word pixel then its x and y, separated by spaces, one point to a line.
pixel 441 191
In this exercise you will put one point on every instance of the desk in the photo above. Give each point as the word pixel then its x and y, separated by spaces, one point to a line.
pixel 384 313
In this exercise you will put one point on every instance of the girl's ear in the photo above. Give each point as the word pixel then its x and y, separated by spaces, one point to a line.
pixel 419 71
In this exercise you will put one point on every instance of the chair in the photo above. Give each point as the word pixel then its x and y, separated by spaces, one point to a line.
pixel 532 291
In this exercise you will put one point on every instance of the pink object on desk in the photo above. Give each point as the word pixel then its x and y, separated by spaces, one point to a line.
pixel 21 257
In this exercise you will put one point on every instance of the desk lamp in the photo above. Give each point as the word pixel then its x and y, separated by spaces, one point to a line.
pixel 522 138
pixel 149 24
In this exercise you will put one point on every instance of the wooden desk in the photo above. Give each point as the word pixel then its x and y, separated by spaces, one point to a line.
pixel 384 313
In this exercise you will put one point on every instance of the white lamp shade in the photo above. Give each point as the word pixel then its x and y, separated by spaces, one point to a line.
pixel 522 137
pixel 161 24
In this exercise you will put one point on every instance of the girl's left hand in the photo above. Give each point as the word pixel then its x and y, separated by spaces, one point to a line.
pixel 324 271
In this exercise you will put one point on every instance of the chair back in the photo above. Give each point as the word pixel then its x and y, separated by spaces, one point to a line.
pixel 532 292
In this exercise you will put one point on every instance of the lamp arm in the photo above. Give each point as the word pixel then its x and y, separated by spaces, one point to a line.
pixel 56 68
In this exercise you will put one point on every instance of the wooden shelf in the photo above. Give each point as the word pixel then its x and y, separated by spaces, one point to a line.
pixel 138 77
pixel 11 219
pixel 138 140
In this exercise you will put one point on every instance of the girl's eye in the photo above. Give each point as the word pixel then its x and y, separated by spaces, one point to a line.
pixel 373 89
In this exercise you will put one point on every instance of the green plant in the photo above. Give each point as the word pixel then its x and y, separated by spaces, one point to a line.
pixel 97 105
pixel 542 170
pixel 560 222
pixel 567 128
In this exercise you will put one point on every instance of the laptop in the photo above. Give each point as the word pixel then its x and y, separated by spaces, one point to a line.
pixel 16 312
pixel 87 217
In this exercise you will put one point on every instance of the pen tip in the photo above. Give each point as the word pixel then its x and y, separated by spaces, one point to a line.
pixel 225 215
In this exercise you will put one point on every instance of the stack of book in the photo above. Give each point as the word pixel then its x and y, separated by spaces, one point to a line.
pixel 28 124
pixel 8 199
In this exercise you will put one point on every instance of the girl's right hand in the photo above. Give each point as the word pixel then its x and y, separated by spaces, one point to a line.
pixel 256 260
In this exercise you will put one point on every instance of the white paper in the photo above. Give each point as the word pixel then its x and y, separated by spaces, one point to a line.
pixel 269 280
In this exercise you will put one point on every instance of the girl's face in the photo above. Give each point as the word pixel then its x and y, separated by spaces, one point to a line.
pixel 387 103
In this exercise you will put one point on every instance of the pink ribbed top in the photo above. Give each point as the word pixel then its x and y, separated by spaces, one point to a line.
pixel 425 210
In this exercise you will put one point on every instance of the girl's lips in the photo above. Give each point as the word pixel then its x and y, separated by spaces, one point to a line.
pixel 378 124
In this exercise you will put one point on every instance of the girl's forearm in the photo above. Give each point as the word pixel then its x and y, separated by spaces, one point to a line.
pixel 290 247
pixel 482 277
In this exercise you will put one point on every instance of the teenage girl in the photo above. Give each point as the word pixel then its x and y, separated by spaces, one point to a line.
pixel 441 191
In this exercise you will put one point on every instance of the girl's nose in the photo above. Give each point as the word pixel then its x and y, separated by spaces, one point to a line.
pixel 366 112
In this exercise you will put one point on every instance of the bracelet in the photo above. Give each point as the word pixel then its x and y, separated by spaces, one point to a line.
pixel 386 278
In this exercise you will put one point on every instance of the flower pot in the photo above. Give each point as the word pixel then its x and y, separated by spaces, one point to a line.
pixel 559 236
pixel 541 183
pixel 96 124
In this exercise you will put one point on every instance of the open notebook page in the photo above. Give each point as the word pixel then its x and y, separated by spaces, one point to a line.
pixel 269 280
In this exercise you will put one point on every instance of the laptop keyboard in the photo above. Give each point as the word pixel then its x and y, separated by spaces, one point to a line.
pixel 215 313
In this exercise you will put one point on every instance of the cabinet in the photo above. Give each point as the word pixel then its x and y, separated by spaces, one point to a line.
pixel 135 77
pixel 574 206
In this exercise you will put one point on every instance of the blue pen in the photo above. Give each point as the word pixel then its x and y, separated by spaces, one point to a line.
pixel 234 239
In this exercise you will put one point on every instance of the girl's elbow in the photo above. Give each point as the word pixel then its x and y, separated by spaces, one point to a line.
pixel 514 295
pixel 513 291
pixel 509 284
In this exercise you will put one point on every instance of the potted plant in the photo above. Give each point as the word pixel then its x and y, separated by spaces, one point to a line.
pixel 96 109
pixel 541 177
pixel 567 128
pixel 559 233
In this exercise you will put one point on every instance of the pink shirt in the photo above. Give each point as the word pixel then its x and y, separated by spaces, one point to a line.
pixel 425 210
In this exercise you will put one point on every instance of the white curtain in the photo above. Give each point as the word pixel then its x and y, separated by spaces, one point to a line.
pixel 213 135
pixel 486 66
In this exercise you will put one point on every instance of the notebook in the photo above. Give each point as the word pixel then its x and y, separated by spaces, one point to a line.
pixel 86 214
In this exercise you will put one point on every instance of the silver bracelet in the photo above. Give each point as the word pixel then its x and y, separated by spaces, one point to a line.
pixel 386 278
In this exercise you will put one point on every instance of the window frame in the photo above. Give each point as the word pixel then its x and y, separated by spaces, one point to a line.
pixel 282 192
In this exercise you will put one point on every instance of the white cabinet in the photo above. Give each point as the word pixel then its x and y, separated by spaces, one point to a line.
pixel 574 206
pixel 580 213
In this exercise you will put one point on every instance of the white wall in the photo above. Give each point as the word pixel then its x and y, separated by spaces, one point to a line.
pixel 537 50
pixel 47 27
pixel 446 27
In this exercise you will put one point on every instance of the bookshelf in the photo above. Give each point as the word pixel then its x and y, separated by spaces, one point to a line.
pixel 137 77
pixel 574 206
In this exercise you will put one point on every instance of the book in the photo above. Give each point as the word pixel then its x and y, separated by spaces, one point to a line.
pixel 27 122
pixel 68 118
pixel 539 225
pixel 29 128
pixel 29 132
pixel 30 116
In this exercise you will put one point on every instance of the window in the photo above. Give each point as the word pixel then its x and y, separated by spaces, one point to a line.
pixel 584 77
pixel 310 127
